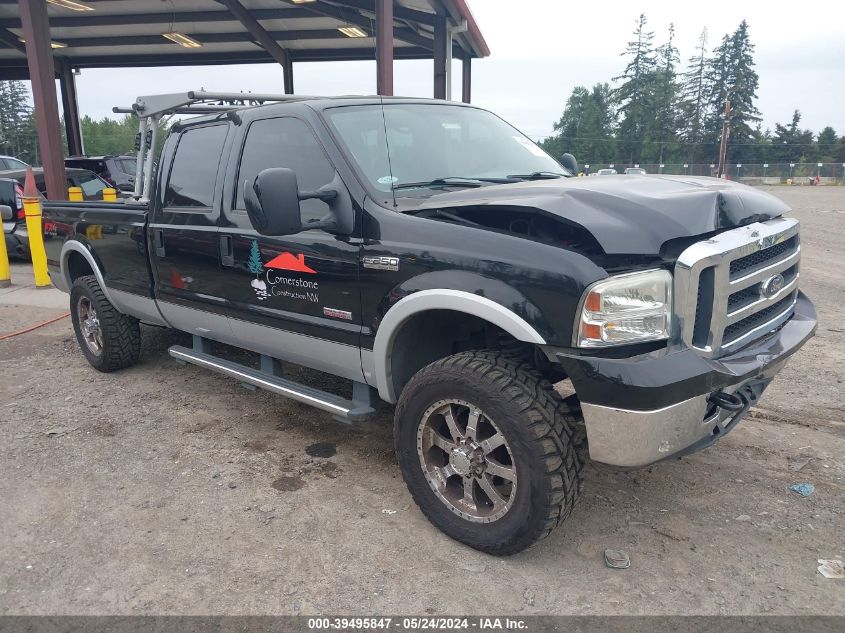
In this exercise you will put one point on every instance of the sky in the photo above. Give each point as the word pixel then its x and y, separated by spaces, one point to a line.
pixel 542 49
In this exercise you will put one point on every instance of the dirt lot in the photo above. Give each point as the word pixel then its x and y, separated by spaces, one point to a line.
pixel 168 489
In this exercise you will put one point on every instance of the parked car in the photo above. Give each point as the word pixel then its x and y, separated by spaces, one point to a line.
pixel 457 275
pixel 11 192
pixel 118 171
pixel 606 172
pixel 14 228
pixel 635 171
pixel 10 162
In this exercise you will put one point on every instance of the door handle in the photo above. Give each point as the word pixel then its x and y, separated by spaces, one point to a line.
pixel 227 255
pixel 158 242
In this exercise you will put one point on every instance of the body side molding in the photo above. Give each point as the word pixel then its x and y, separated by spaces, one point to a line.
pixel 439 299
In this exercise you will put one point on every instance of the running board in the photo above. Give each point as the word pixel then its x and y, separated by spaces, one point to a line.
pixel 345 410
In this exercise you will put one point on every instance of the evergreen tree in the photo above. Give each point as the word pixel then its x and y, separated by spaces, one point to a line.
pixel 665 91
pixel 791 144
pixel 693 106
pixel 15 114
pixel 634 96
pixel 586 127
pixel 255 265
pixel 827 142
pixel 731 76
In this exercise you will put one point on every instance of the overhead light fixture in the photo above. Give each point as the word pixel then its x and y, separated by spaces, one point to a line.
pixel 181 39
pixel 52 44
pixel 301 1
pixel 71 4
pixel 352 31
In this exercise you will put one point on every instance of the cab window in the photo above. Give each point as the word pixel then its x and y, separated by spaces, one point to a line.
pixel 285 142
pixel 194 170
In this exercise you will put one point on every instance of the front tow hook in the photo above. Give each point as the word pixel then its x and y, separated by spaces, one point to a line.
pixel 727 401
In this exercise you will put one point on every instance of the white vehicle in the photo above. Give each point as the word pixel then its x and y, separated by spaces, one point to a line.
pixel 10 162
pixel 606 172
pixel 636 171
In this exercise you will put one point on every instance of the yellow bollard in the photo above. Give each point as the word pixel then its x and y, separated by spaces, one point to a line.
pixel 109 195
pixel 34 231
pixel 5 273
pixel 74 194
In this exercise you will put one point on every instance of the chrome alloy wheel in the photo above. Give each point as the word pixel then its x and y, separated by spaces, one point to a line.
pixel 466 461
pixel 89 325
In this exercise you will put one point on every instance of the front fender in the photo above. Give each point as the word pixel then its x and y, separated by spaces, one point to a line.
pixel 459 291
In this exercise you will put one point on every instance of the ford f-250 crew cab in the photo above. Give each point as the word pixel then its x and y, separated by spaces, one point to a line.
pixel 438 259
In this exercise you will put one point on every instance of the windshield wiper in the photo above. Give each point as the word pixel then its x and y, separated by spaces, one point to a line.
pixel 449 181
pixel 537 175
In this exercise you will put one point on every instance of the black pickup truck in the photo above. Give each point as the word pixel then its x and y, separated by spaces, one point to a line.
pixel 438 259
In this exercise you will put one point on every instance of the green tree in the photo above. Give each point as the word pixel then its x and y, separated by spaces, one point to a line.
pixel 634 95
pixel 791 144
pixel 17 137
pixel 665 95
pixel 693 106
pixel 827 142
pixel 731 76
pixel 586 126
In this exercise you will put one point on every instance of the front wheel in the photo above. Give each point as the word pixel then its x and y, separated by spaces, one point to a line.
pixel 489 450
pixel 109 339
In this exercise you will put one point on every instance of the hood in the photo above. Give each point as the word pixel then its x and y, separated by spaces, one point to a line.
pixel 628 214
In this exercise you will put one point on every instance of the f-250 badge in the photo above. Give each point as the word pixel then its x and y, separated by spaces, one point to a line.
pixel 269 282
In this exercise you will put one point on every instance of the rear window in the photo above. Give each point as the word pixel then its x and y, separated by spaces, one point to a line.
pixel 194 170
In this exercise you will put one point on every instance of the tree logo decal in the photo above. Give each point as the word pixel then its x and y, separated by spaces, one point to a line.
pixel 256 268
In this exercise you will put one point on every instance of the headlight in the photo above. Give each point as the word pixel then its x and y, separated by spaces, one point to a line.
pixel 626 309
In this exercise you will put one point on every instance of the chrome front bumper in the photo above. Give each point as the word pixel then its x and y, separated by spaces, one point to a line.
pixel 647 408
pixel 628 438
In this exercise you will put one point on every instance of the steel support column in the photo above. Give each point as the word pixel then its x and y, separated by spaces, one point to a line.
pixel 70 106
pixel 288 79
pixel 466 78
pixel 42 74
pixel 384 47
pixel 440 42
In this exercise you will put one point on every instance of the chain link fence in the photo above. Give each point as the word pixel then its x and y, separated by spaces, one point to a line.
pixel 757 173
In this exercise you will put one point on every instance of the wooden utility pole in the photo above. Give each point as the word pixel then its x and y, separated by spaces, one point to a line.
pixel 723 147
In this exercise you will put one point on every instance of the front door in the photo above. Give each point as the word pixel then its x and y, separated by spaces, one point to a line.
pixel 293 296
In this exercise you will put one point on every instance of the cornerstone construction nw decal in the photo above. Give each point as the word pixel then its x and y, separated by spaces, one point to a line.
pixel 271 279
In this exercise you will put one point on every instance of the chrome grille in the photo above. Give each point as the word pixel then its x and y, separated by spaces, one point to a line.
pixel 719 300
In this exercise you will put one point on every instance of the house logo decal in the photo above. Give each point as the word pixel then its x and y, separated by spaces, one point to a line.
pixel 289 261
pixel 271 281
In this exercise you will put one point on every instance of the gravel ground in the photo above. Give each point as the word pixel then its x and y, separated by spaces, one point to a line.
pixel 169 489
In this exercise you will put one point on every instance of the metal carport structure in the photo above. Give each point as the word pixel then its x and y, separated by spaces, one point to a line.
pixel 42 40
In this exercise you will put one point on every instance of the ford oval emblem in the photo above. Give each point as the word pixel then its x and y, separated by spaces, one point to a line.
pixel 772 286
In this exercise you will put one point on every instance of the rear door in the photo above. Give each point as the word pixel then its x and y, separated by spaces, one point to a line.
pixel 292 296
pixel 184 241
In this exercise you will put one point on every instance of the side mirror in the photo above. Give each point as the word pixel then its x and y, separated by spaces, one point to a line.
pixel 272 203
pixel 6 213
pixel 569 162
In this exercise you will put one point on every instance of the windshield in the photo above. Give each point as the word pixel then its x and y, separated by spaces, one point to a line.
pixel 427 142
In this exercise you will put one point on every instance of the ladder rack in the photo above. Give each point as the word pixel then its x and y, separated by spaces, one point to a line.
pixel 152 108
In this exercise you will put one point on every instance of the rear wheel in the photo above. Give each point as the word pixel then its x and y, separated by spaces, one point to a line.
pixel 109 339
pixel 489 451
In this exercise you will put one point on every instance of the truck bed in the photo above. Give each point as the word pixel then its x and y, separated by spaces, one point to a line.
pixel 113 233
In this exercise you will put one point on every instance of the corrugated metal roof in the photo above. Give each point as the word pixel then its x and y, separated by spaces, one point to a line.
pixel 120 33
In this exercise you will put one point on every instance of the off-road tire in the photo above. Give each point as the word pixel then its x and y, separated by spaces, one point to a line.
pixel 544 435
pixel 121 334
